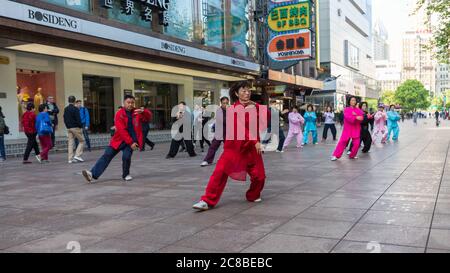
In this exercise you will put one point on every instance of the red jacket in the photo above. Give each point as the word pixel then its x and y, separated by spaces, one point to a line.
pixel 28 122
pixel 121 124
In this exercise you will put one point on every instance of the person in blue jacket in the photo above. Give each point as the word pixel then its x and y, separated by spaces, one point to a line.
pixel 86 121
pixel 310 124
pixel 392 120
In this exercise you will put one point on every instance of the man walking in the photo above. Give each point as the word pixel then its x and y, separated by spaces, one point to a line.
pixel 72 120
pixel 53 111
pixel 127 138
pixel 183 116
pixel 85 121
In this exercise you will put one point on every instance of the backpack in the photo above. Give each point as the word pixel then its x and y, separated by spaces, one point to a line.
pixel 45 128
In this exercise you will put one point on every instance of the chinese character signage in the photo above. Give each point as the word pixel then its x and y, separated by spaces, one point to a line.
pixel 290 25
pixel 144 8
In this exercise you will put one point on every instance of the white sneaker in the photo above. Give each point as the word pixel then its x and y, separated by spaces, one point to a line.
pixel 204 164
pixel 349 152
pixel 278 151
pixel 87 175
pixel 78 159
pixel 38 158
pixel 333 158
pixel 128 178
pixel 70 161
pixel 202 206
pixel 259 200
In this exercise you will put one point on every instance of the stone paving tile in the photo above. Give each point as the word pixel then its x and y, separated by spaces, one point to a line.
pixel 13 236
pixel 404 206
pixel 373 247
pixel 396 235
pixel 439 239
pixel 332 214
pixel 110 228
pixel 180 249
pixel 431 250
pixel 122 246
pixel 441 221
pixel 281 243
pixel 315 228
pixel 252 223
pixel 420 220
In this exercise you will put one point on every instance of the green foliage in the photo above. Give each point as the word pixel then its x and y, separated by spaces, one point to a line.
pixel 388 97
pixel 412 95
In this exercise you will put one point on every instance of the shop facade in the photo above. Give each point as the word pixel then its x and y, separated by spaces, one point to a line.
pixel 61 51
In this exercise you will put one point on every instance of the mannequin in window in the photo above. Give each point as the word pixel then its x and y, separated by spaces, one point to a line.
pixel 38 97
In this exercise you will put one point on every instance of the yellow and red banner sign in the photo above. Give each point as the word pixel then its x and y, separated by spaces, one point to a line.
pixel 290 17
pixel 290 47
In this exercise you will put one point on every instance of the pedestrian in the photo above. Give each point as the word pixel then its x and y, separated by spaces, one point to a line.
pixel 85 121
pixel 415 118
pixel 329 124
pixel 146 129
pixel 353 117
pixel 72 120
pixel 219 132
pixel 44 129
pixel 436 115
pixel 53 111
pixel 380 125
pixel 393 118
pixel 278 132
pixel 295 128
pixel 241 156
pixel 310 125
pixel 184 117
pixel 366 137
pixel 203 121
pixel 3 131
pixel 127 138
pixel 29 127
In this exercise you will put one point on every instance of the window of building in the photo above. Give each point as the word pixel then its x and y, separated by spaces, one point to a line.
pixel 213 14
pixel 134 15
pixel 181 22
pixel 81 5
pixel 240 27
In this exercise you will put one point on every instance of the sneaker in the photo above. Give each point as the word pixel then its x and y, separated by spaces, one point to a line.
pixel 259 200
pixel 349 152
pixel 333 158
pixel 87 175
pixel 354 157
pixel 70 161
pixel 46 161
pixel 204 164
pixel 26 162
pixel 202 206
pixel 79 159
pixel 169 157
pixel 152 147
pixel 38 158
pixel 278 151
pixel 128 178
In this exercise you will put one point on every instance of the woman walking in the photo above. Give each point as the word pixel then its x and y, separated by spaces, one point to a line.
pixel 329 124
pixel 295 128
pixel 29 127
pixel 240 156
pixel 44 129
pixel 353 117
pixel 2 136
pixel 310 125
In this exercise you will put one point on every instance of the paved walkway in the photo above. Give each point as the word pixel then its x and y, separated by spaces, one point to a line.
pixel 395 199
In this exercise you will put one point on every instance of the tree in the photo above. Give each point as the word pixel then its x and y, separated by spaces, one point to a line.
pixel 412 95
pixel 388 97
pixel 441 32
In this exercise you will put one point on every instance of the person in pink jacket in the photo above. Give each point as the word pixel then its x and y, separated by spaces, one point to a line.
pixel 352 130
pixel 295 128
pixel 380 125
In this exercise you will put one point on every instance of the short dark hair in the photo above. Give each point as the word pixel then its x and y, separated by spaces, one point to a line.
pixel 128 97
pixel 364 103
pixel 224 98
pixel 308 106
pixel 350 98
pixel 42 107
pixel 182 102
pixel 235 89
pixel 30 106
pixel 294 107
pixel 392 105
pixel 78 101
pixel 72 99
pixel 329 106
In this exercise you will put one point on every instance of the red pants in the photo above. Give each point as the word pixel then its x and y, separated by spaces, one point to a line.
pixel 46 145
pixel 219 178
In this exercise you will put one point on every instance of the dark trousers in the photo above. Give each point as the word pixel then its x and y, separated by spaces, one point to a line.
pixel 31 144
pixel 175 146
pixel 146 140
pixel 109 154
pixel 281 139
pixel 87 140
pixel 215 144
pixel 332 127
pixel 53 137
pixel 2 147
pixel 203 141
pixel 366 139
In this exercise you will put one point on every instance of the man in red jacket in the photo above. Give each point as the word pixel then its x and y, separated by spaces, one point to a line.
pixel 28 122
pixel 127 138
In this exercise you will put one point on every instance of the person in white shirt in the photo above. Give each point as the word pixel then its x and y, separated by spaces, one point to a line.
pixel 329 124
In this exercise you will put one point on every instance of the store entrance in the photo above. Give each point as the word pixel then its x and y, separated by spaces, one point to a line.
pixel 98 94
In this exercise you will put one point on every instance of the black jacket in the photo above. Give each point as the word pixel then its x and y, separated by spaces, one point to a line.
pixel 72 117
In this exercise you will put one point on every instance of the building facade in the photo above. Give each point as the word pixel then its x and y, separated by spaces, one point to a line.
pixel 346 52
pixel 162 52
pixel 389 75
pixel 380 44
pixel 442 79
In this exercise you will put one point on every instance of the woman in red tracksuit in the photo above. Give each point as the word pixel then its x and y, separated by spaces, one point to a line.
pixel 242 149
pixel 127 138
pixel 29 128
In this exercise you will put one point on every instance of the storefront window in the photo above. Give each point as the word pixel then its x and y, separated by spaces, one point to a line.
pixel 159 98
pixel 134 16
pixel 240 27
pixel 82 5
pixel 35 87
pixel 213 14
pixel 181 24
pixel 98 97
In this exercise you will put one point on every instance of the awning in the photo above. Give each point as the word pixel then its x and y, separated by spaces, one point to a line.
pixel 298 81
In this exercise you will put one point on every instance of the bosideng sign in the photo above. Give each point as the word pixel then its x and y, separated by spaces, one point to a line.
pixel 48 18
pixel 289 23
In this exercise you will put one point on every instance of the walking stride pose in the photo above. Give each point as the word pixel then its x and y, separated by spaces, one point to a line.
pixel 242 149
pixel 353 117
pixel 392 121
pixel 185 117
pixel 310 125
pixel 127 138
pixel 380 125
pixel 295 128
pixel 219 133
pixel 29 127
pixel 329 124
pixel 366 138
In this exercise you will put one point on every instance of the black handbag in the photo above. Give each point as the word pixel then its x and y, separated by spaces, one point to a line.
pixel 6 130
